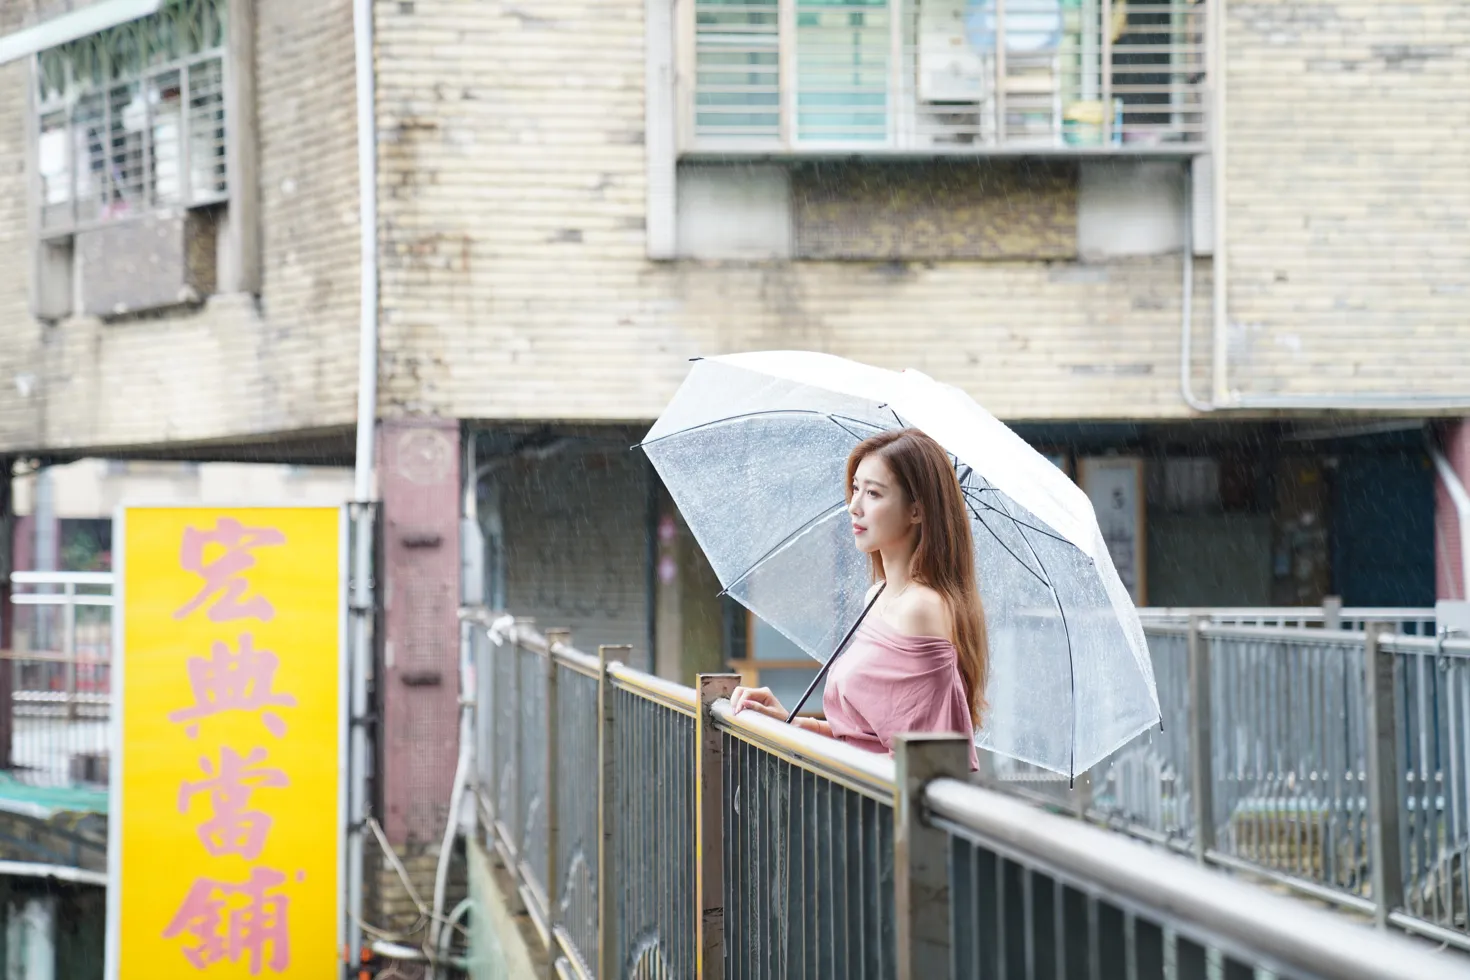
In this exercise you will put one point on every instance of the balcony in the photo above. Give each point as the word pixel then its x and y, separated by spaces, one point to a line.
pixel 927 77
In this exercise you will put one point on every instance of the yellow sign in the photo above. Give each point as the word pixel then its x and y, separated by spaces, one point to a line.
pixel 228 770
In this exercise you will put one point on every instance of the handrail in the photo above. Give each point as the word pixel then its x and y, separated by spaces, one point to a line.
pixel 1241 915
pixel 671 695
pixel 865 772
pixel 61 578
pixel 61 599
pixel 1282 634
pixel 1288 612
pixel 1440 646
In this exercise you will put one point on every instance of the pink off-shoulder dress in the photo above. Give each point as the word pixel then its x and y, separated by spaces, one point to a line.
pixel 887 683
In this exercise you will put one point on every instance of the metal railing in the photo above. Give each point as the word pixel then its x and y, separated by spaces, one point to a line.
pixel 1279 746
pixel 60 675
pixel 930 77
pixel 1410 621
pixel 650 834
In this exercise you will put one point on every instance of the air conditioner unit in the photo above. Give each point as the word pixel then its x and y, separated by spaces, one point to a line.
pixel 950 68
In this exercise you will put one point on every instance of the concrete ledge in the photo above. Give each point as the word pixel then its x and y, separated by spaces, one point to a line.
pixel 503 945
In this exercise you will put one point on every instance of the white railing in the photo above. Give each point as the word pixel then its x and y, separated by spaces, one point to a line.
pixel 59 670
pixel 1405 620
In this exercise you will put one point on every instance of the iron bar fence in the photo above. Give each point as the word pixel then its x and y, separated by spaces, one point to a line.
pixel 1278 747
pixel 60 674
pixel 689 843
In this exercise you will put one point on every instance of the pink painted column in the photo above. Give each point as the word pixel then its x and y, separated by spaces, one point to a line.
pixel 1455 440
pixel 418 482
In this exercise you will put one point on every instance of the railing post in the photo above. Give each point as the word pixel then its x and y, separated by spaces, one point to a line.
pixel 1332 612
pixel 69 647
pixel 1201 740
pixel 553 819
pixel 1383 775
pixel 921 895
pixel 519 795
pixel 606 813
pixel 709 830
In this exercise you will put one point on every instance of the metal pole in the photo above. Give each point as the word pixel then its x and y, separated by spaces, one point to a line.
pixel 921 895
pixel 1332 612
pixel 1383 777
pixel 554 638
pixel 365 462
pixel 1201 740
pixel 69 647
pixel 1000 73
pixel 516 901
pixel 606 812
pixel 709 829
pixel 359 670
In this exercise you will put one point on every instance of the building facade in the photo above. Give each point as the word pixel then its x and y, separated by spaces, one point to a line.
pixel 1212 256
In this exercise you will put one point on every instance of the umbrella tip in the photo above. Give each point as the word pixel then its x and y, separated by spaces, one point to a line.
pixel 635 446
pixel 693 359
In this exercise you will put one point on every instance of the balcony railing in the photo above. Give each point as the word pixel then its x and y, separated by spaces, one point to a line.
pixel 928 76
pixel 60 676
pixel 650 833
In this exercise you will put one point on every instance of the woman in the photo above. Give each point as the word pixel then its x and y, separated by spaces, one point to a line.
pixel 917 662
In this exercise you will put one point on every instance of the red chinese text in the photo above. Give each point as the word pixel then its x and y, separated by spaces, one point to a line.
pixel 235 681
pixel 232 921
pixel 233 829
pixel 224 582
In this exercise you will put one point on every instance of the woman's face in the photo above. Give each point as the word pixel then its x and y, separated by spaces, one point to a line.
pixel 881 514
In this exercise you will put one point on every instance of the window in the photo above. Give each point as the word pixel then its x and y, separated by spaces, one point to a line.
pixel 928 75
pixel 132 120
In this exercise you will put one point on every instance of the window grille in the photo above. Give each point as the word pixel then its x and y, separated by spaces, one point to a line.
pixel 132 119
pixel 929 76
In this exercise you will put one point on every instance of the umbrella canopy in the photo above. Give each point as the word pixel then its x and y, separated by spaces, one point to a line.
pixel 753 449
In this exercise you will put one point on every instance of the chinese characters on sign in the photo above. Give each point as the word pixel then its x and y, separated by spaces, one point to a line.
pixel 229 809
pixel 238 680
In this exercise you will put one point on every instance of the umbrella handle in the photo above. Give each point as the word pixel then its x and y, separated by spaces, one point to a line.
pixel 835 654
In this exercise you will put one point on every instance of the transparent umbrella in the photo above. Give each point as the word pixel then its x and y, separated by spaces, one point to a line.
pixel 753 449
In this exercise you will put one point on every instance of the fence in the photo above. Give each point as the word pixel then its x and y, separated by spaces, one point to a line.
pixel 60 675
pixel 1278 748
pixel 1408 621
pixel 651 834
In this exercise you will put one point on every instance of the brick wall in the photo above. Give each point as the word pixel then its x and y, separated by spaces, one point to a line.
pixel 418 686
pixel 516 284
pixel 1349 202
pixel 238 366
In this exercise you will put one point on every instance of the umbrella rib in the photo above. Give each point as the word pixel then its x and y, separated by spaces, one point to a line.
pixel 751 415
pixel 1009 516
pixel 1066 632
pixel 840 505
pixel 847 418
pixel 1019 560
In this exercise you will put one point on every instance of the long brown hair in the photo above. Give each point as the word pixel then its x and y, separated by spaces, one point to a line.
pixel 945 557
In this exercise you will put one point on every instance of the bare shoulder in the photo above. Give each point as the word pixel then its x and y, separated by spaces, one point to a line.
pixel 922 612
pixel 873 590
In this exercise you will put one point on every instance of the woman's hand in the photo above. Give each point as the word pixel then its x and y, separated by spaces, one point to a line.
pixel 759 699
pixel 814 725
